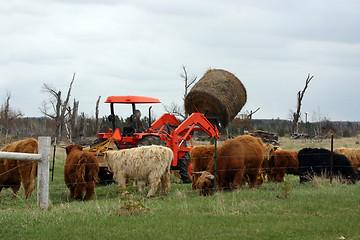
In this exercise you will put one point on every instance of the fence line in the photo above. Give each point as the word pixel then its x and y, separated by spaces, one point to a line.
pixel 43 158
pixel 43 201
pixel 221 170
pixel 268 168
pixel 17 166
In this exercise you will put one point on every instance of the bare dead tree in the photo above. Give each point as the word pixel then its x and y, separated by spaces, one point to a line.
pixel 8 115
pixel 71 122
pixel 175 108
pixel 243 120
pixel 97 123
pixel 59 106
pixel 187 82
pixel 252 113
pixel 300 96
pixel 81 125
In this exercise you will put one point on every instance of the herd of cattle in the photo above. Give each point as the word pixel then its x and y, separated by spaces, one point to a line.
pixel 246 160
pixel 239 161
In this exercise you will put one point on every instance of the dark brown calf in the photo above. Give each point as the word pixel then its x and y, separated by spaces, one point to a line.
pixel 80 172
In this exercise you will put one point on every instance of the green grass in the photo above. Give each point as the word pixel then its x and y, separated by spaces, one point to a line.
pixel 316 210
pixel 297 144
pixel 313 211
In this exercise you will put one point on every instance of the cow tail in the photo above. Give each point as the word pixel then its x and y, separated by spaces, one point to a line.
pixel 92 169
pixel 33 174
pixel 80 173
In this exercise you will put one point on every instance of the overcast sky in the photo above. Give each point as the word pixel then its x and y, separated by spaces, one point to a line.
pixel 134 47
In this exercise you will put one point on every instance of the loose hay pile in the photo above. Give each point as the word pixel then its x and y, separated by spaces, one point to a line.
pixel 219 93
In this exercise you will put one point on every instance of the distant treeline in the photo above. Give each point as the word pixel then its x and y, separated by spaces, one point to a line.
pixel 310 129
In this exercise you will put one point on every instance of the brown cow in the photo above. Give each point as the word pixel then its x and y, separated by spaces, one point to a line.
pixel 284 161
pixel 80 172
pixel 269 150
pixel 353 154
pixel 15 172
pixel 200 157
pixel 236 157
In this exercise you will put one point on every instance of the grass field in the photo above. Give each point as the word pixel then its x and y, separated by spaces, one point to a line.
pixel 316 210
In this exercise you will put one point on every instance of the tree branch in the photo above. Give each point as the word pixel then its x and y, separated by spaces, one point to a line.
pixel 300 97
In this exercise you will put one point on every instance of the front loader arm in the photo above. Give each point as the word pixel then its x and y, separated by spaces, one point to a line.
pixel 165 119
pixel 197 122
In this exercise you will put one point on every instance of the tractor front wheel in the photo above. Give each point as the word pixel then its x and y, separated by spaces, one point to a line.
pixel 183 166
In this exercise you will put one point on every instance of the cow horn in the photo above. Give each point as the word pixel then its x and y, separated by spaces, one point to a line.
pixel 210 176
pixel 201 172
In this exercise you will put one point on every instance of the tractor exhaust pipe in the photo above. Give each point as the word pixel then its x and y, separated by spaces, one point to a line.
pixel 150 117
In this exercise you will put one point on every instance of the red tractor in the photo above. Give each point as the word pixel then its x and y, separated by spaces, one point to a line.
pixel 167 130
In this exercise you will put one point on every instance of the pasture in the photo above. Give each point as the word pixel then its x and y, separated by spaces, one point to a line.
pixel 290 210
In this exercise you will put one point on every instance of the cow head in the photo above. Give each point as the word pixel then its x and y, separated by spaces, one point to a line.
pixel 269 150
pixel 205 183
pixel 353 176
pixel 73 146
pixel 357 175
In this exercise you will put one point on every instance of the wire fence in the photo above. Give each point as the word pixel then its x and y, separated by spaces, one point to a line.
pixel 105 182
pixel 60 165
pixel 42 160
pixel 57 165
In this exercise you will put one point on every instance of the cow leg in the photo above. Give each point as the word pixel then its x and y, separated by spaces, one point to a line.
pixel 281 175
pixel 79 189
pixel 120 178
pixel 237 181
pixel 303 178
pixel 15 189
pixel 154 183
pixel 72 191
pixel 165 183
pixel 29 185
pixel 141 185
pixel 252 180
pixel 27 176
pixel 252 174
pixel 270 176
pixel 90 190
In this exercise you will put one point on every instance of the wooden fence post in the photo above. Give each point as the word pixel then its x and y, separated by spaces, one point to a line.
pixel 43 173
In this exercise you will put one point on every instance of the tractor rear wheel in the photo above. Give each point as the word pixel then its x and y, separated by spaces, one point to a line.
pixel 151 140
pixel 105 176
pixel 183 166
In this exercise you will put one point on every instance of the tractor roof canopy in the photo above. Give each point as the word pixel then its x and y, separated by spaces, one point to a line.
pixel 131 99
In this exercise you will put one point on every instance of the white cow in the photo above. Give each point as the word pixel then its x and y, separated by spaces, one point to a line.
pixel 147 164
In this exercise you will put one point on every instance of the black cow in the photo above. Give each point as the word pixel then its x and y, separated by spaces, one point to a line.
pixel 316 161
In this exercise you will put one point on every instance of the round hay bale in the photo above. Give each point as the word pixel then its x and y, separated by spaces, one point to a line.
pixel 219 93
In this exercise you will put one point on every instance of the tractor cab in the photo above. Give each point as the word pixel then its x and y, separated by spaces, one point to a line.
pixel 133 131
pixel 134 124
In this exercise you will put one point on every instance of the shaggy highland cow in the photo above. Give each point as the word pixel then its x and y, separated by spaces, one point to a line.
pixel 238 161
pixel 80 172
pixel 15 172
pixel 145 165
